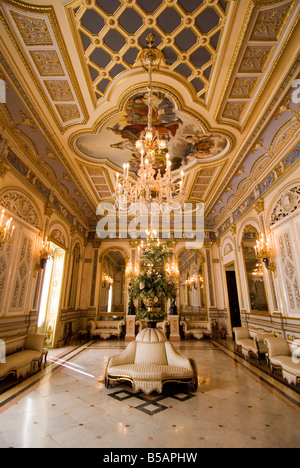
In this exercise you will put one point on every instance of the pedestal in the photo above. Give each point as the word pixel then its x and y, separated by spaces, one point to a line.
pixel 130 328
pixel 174 327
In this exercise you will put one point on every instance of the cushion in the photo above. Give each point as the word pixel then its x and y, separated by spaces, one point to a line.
pixel 151 353
pixel 107 324
pixel 35 341
pixel 21 358
pixel 149 371
pixel 249 345
pixel 241 333
pixel 277 347
pixel 284 362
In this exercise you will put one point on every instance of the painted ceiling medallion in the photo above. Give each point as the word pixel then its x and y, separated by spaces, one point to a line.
pixel 186 140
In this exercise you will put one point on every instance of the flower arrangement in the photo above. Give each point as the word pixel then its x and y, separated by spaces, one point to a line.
pixel 153 286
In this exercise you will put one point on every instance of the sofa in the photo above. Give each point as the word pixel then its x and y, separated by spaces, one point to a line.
pixel 150 362
pixel 105 328
pixel 196 328
pixel 280 357
pixel 251 342
pixel 21 363
pixel 163 325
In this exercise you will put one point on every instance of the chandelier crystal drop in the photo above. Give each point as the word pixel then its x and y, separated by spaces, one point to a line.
pixel 151 185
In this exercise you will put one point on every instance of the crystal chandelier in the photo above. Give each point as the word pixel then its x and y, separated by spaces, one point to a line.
pixel 151 186
pixel 6 230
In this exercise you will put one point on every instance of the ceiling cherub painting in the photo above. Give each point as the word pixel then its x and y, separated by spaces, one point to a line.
pixel 186 140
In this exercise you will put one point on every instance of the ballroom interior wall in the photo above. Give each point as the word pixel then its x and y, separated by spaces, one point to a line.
pixel 20 289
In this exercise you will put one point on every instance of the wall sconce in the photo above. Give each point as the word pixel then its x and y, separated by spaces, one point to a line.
pixel 107 280
pixel 192 281
pixel 263 251
pixel 46 253
pixel 6 230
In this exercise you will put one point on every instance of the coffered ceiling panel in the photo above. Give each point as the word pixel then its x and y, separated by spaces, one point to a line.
pixel 37 35
pixel 269 27
pixel 111 34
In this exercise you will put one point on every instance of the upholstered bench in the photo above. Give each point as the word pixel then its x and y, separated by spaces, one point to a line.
pixel 105 328
pixel 280 357
pixel 149 362
pixel 196 328
pixel 21 362
pixel 251 342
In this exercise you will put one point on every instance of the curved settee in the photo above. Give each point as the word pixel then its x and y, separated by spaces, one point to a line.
pixel 149 362
pixel 280 357
pixel 197 328
pixel 105 328
pixel 20 363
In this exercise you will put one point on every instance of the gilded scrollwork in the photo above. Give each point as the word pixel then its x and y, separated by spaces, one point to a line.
pixel 34 31
pixel 47 62
pixel 269 23
pixel 59 90
pixel 255 59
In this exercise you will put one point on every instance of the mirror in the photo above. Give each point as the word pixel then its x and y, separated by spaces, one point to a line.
pixel 254 271
pixel 74 276
pixel 191 282
pixel 112 283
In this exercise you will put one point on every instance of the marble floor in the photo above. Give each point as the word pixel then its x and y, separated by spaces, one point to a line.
pixel 237 405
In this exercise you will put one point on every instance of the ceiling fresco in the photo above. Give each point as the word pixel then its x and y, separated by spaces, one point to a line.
pixel 76 95
pixel 186 139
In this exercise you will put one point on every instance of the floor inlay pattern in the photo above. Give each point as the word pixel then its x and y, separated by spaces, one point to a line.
pixel 152 403
pixel 67 405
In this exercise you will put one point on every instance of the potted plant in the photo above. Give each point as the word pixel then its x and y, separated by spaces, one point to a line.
pixel 153 286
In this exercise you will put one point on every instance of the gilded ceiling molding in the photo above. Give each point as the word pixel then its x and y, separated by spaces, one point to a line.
pixel 203 179
pixel 28 29
pixel 283 136
pixel 256 51
pixel 58 153
pixel 92 41
pixel 253 139
pixel 100 180
pixel 260 190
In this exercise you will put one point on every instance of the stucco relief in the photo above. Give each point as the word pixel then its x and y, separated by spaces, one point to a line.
pixel 288 204
pixel 18 203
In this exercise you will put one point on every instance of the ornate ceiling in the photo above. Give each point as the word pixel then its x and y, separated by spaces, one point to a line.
pixel 75 99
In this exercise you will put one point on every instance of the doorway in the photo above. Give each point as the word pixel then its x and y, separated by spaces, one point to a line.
pixel 51 294
pixel 234 306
